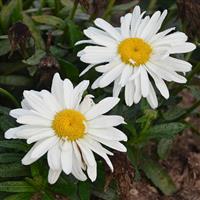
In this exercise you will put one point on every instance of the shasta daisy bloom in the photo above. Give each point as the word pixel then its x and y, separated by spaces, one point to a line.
pixel 132 53
pixel 68 128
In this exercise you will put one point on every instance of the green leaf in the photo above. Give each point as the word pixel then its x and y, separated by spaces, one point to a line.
pixel 9 96
pixel 39 43
pixel 73 33
pixel 164 147
pixel 14 144
pixel 10 157
pixel 158 176
pixel 13 170
pixel 47 196
pixel 68 69
pixel 4 110
pixel 167 130
pixel 22 196
pixel 16 186
pixel 6 122
pixel 84 190
pixel 50 20
pixel 35 58
pixel 14 10
pixel 15 80
pixel 4 47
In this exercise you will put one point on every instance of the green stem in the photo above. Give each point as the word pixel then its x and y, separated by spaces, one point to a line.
pixel 189 110
pixel 189 79
pixel 108 9
pixel 74 10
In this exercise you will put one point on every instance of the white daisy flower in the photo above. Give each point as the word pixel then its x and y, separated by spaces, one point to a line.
pixel 67 129
pixel 129 55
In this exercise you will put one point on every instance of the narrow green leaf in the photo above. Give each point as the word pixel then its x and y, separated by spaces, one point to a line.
pixel 68 69
pixel 16 186
pixel 35 58
pixel 73 33
pixel 158 176
pixel 15 80
pixel 163 148
pixel 14 144
pixel 50 20
pixel 12 9
pixel 39 43
pixel 4 47
pixel 10 157
pixel 13 170
pixel 22 196
pixel 9 96
pixel 6 122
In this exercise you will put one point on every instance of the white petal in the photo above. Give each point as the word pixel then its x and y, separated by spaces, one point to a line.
pixel 102 107
pixel 160 84
pixel 44 146
pixel 138 93
pixel 108 28
pixel 144 82
pixel 86 104
pixel 54 157
pixel 86 69
pixel 108 133
pixel 129 93
pixel 53 175
pixel 117 88
pixel 126 73
pixel 110 76
pixel 68 91
pixel 152 99
pixel 85 42
pixel 183 48
pixel 78 92
pixel 66 157
pixel 125 25
pixel 105 121
pixel 111 143
pixel 40 136
pixel 11 133
pixel 57 89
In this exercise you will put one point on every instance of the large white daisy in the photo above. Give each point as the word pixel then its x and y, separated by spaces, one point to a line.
pixel 68 129
pixel 130 54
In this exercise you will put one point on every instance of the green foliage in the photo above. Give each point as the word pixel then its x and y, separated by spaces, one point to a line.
pixel 55 26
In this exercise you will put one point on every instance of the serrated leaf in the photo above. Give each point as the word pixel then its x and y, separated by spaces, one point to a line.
pixel 23 196
pixel 4 47
pixel 10 157
pixel 13 170
pixel 167 130
pixel 164 147
pixel 35 58
pixel 16 186
pixel 39 43
pixel 50 20
pixel 15 80
pixel 14 144
pixel 158 176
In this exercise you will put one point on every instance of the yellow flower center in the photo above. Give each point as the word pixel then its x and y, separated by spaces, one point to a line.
pixel 134 51
pixel 69 124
